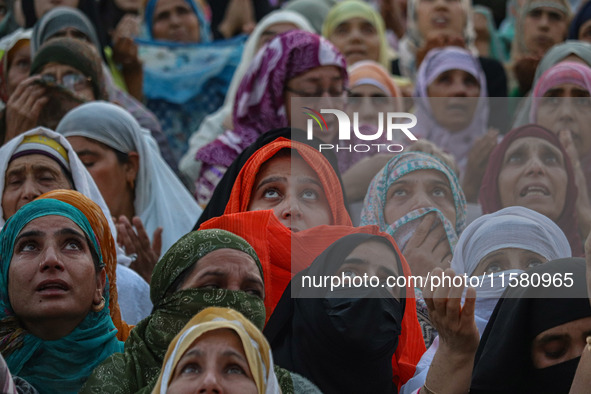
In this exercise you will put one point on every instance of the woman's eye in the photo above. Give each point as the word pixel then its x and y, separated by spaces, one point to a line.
pixel 534 263
pixel 438 192
pixel 191 368
pixel 73 245
pixel 550 159
pixel 310 195
pixel 342 29
pixel 515 158
pixel 471 81
pixel 493 267
pixel 254 292
pixel 349 273
pixel 368 29
pixel 399 193
pixel 210 286
pixel 583 101
pixel 235 369
pixel 28 246
pixel 555 350
pixel 271 193
pixel 551 100
pixel 88 164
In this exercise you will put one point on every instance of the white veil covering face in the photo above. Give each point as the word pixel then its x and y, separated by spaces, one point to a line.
pixel 161 200
pixel 213 125
pixel 134 292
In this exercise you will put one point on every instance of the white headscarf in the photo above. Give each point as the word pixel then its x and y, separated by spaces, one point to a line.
pixel 212 126
pixel 512 227
pixel 161 200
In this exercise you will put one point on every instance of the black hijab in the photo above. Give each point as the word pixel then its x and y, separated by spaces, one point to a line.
pixel 503 361
pixel 343 345
pixel 221 194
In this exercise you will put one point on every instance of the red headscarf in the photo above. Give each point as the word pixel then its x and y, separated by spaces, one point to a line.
pixel 490 198
pixel 245 182
pixel 283 254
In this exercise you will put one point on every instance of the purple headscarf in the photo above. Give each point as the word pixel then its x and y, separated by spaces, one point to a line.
pixel 259 105
pixel 457 143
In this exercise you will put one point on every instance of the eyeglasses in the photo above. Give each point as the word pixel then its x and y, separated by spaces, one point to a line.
pixel 73 81
pixel 332 92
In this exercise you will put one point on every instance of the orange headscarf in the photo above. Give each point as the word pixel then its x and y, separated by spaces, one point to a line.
pixel 245 182
pixel 100 226
pixel 283 254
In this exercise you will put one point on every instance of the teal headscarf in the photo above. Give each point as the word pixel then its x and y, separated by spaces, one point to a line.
pixel 59 366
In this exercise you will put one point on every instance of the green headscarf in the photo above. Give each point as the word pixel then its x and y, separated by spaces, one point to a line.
pixel 349 9
pixel 137 369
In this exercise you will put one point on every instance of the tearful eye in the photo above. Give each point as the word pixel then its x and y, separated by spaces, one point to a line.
pixel 27 247
pixel 235 369
pixel 310 195
pixel 534 263
pixel 191 369
pixel 271 193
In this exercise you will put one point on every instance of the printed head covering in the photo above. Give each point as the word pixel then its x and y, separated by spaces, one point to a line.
pixel 161 200
pixel 139 366
pixel 259 105
pixel 43 145
pixel 582 16
pixel 255 346
pixel 245 182
pixel 556 54
pixel 413 39
pixel 522 314
pixel 74 53
pixel 348 9
pixel 460 142
pixel 204 33
pixel 564 72
pixel 9 45
pixel 512 227
pixel 100 227
pixel 63 364
pixel 399 166
pixel 60 18
pixel 490 198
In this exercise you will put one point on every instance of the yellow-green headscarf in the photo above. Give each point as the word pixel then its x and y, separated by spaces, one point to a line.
pixel 357 9
pixel 256 347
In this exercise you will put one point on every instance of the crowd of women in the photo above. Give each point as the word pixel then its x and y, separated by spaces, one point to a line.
pixel 171 222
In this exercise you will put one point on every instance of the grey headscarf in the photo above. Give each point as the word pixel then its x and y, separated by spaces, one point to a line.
pixel 161 200
pixel 60 18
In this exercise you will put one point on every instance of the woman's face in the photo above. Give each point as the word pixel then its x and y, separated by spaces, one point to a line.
pixel 325 82
pixel 292 189
pixel 373 259
pixel 440 16
pixel 585 31
pixel 226 269
pixel 508 259
pixel 43 6
pixel 19 68
pixel 27 177
pixel 174 20
pixel 420 189
pixel 369 100
pixel 111 177
pixel 270 32
pixel 357 39
pixel 71 78
pixel 52 275
pixel 533 175
pixel 215 363
pixel 561 343
pixel 567 107
pixel 542 28
pixel 462 90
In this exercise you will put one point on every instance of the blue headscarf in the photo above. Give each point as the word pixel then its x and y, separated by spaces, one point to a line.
pixel 204 33
pixel 59 366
